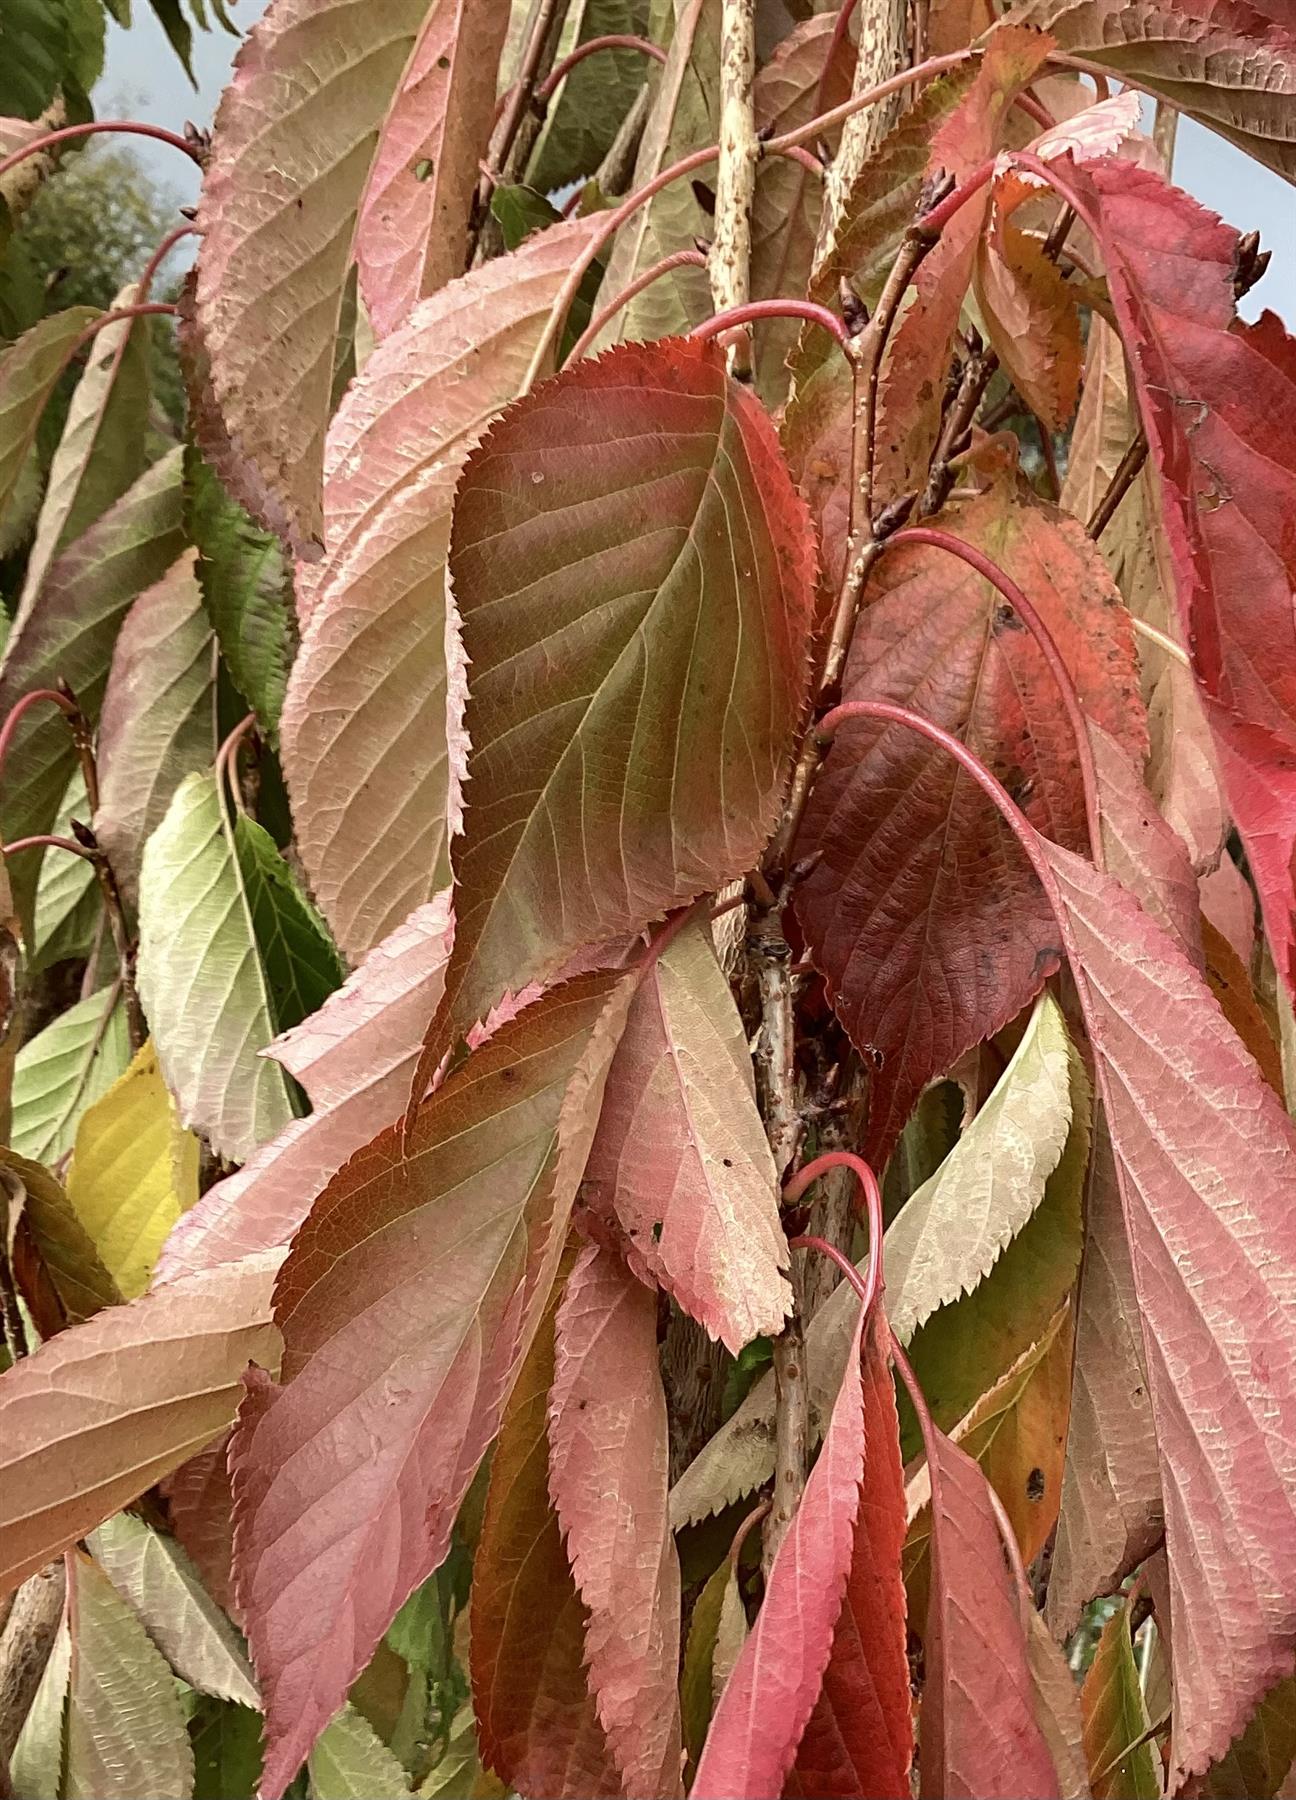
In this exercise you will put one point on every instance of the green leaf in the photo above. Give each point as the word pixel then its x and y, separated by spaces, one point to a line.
pixel 587 111
pixel 201 981
pixel 246 589
pixel 155 1575
pixel 1257 1762
pixel 697 1684
pixel 173 22
pixel 302 968
pixel 1115 1717
pixel 36 1766
pixel 63 1069
pixel 69 635
pixel 459 1771
pixel 227 1750
pixel 68 1251
pixel 351 1762
pixel 520 211
pixel 126 1734
pixel 29 373
pixel 45 45
pixel 67 893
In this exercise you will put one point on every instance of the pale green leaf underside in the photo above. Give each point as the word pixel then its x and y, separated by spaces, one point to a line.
pixel 64 1069
pixel 351 1762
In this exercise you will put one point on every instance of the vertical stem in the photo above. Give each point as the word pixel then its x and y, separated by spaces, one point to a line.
pixel 730 260
pixel 882 34
pixel 1165 129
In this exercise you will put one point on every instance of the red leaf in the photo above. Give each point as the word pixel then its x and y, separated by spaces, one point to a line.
pixel 1227 470
pixel 860 1736
pixel 979 1736
pixel 412 229
pixel 634 573
pixel 608 1476
pixel 1203 1158
pixel 354 1057
pixel 681 1168
pixel 769 1697
pixel 536 1722
pixel 200 1506
pixel 1142 851
pixel 923 913
pixel 406 1302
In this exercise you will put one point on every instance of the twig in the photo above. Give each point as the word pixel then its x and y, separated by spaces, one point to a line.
pixel 515 133
pixel 978 371
pixel 1167 644
pixel 678 259
pixel 25 1647
pixel 1126 474
pixel 65 134
pixel 729 264
pixel 613 40
pixel 809 310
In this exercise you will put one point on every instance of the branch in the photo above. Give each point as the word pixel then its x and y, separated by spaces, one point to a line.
pixel 729 264
pixel 25 1646
pixel 881 51
pixel 65 133
pixel 1127 470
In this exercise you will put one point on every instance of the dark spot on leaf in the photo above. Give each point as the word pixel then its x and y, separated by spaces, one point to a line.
pixel 727 1161
pixel 657 1231
pixel 1035 1485
pixel 1006 619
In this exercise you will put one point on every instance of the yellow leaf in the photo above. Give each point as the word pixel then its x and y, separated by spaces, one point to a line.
pixel 134 1171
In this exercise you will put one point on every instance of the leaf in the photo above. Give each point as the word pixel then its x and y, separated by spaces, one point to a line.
pixel 227 1751
pixel 407 1299
pixel 979 1734
pixel 1257 1762
pixel 246 586
pixel 66 1251
pixel 36 1765
pixel 860 1736
pixel 200 978
pixel 155 1576
pixel 1112 1512
pixel 1226 485
pixel 768 1699
pixel 921 912
pixel 102 449
pixel 98 1414
pixel 608 1481
pixel 351 1762
pixel 69 636
pixel 64 1069
pixel 301 966
pixel 159 715
pixel 294 138
pixel 1032 319
pixel 29 372
pixel 126 1731
pixel 1230 982
pixel 1209 1221
pixel 412 231
pixel 133 1173
pixel 458 1769
pixel 580 825
pixel 681 1165
pixel 68 904
pixel 367 776
pixel 698 1673
pixel 536 1723
pixel 949 1234
pixel 1115 1717
pixel 1145 854
pixel 684 115
pixel 1057 1707
pixel 1232 66
pixel 355 1058
pixel 595 98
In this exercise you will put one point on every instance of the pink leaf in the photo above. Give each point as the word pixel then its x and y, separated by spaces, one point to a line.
pixel 406 1302
pixel 860 1736
pixel 768 1699
pixel 681 1166
pixel 608 1476
pixel 1203 1158
pixel 1141 850
pixel 412 232
pixel 201 1510
pixel 354 1057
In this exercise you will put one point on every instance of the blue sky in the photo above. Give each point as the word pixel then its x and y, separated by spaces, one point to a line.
pixel 142 72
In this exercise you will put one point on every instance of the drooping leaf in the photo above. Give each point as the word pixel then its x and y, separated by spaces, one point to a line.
pixel 1123 1763
pixel 153 1573
pixel 69 636
pixel 412 230
pixel 922 912
pixel 1230 982
pixel 698 1674
pixel 948 1235
pixel 1031 317
pixel 294 138
pixel 1258 1762
pixel 227 1750
pixel 1227 485
pixel 1143 852
pixel 1232 65
pixel 133 1172
pixel 126 1731
pixel 29 372
pixel 684 115
pixel 536 1722
pixel 1208 1214
pixel 64 1069
pixel 66 1250
pixel 1057 1707
pixel 469 1213
pixel 246 588
pixel 771 1694
pixel 158 719
pixel 200 1508
pixel 200 978
pixel 98 1414
pixel 355 1058
pixel 351 1762
pixel 103 446
pixel 301 966
pixel 681 1165
pixel 859 1739
pixel 580 825
pixel 585 114
pixel 608 1480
